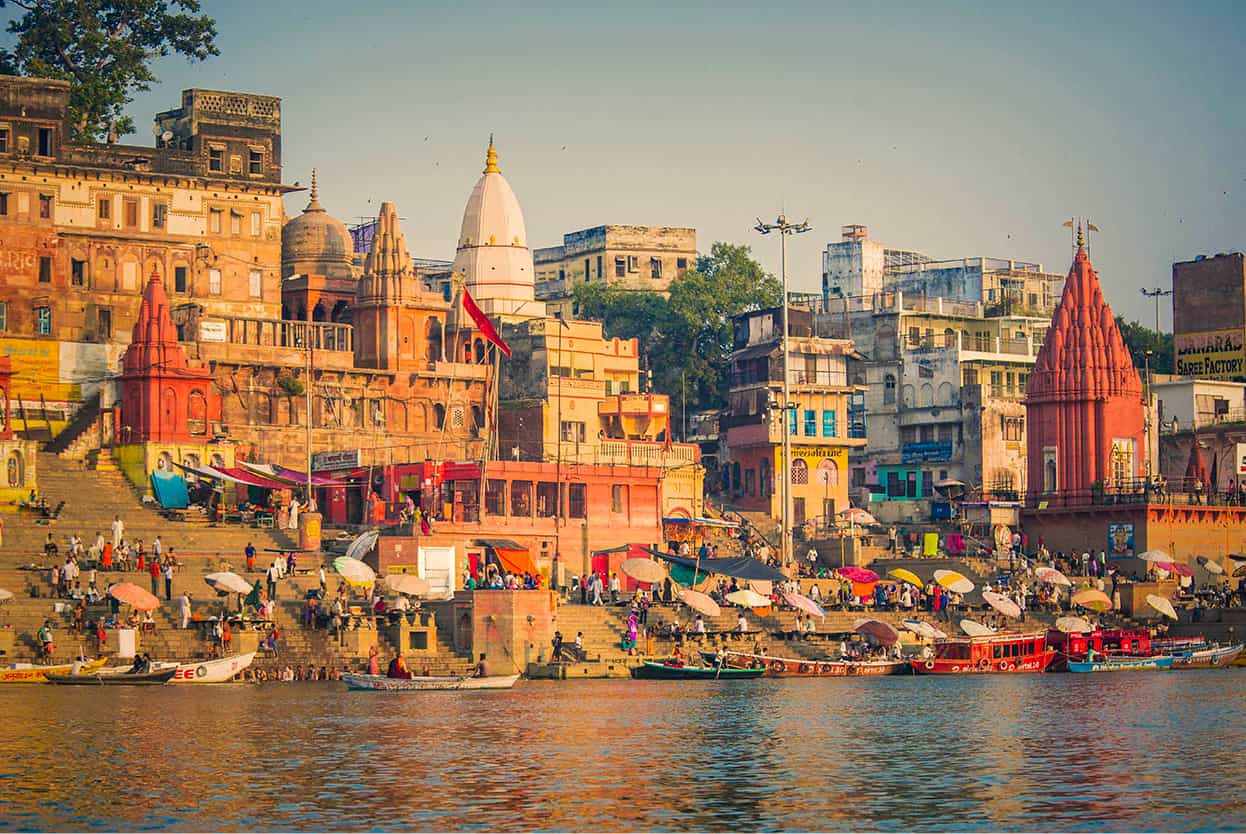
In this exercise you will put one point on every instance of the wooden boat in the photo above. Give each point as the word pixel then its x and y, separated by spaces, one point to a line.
pixel 29 673
pixel 662 671
pixel 1122 663
pixel 798 667
pixel 158 677
pixel 1076 646
pixel 220 670
pixel 1007 653
pixel 1207 657
pixel 381 683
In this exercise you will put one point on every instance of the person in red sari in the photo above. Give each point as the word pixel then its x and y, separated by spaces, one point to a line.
pixel 398 669
pixel 106 556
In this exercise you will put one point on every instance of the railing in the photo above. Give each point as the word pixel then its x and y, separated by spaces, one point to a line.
pixel 324 336
pixel 1177 492
pixel 1015 346
pixel 624 453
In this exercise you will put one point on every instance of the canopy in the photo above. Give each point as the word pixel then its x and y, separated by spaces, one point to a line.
pixel 1210 566
pixel 748 599
pixel 906 576
pixel 134 596
pixel 643 570
pixel 698 601
pixel 170 490
pixel 1053 577
pixel 741 567
pixel 976 629
pixel 1002 604
pixel 289 477
pixel 354 571
pixel 516 560
pixel 803 603
pixel 856 574
pixel 1162 605
pixel 237 476
pixel 882 632
pixel 405 583
pixel 1093 599
pixel 229 582
pixel 953 581
pixel 1076 624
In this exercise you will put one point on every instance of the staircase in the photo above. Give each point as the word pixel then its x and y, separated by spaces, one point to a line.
pixel 81 432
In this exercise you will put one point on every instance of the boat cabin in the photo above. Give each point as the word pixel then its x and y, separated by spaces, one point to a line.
pixel 992 650
pixel 1116 641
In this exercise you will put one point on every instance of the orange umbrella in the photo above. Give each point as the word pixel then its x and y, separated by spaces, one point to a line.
pixel 134 596
pixel 1093 599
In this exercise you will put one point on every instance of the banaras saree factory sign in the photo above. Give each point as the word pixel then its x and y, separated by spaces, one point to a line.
pixel 1216 354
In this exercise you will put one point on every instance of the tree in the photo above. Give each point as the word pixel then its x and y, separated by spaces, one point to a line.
pixel 105 49
pixel 1139 339
pixel 686 336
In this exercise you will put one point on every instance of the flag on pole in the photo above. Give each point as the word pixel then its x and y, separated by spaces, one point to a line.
pixel 482 321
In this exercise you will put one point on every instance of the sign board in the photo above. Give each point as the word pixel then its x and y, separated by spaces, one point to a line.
pixel 213 331
pixel 1120 540
pixel 331 461
pixel 926 451
pixel 1215 354
pixel 1240 460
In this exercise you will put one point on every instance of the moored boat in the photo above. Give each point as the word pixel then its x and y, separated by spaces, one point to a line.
pixel 220 670
pixel 30 673
pixel 650 670
pixel 1099 645
pixel 381 683
pixel 1122 663
pixel 797 667
pixel 1008 653
pixel 1209 657
pixel 157 677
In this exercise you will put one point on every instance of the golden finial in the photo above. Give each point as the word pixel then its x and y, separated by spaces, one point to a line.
pixel 491 159
pixel 1081 238
pixel 315 191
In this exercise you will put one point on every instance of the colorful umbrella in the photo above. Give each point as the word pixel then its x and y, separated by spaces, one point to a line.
pixel 1052 577
pixel 698 601
pixel 229 582
pixel 883 633
pixel 407 584
pixel 1002 604
pixel 354 571
pixel 1210 566
pixel 1166 567
pixel 953 581
pixel 1153 556
pixel 975 629
pixel 803 603
pixel 1093 599
pixel 643 570
pixel 745 598
pixel 1181 569
pixel 1161 605
pixel 858 574
pixel 362 545
pixel 134 596
pixel 1074 624
pixel 906 576
pixel 1239 568
pixel 922 629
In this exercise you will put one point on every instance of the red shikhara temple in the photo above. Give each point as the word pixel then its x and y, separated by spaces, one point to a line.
pixel 1085 419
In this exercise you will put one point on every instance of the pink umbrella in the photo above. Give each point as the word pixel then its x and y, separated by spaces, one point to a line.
pixel 803 603
pixel 1053 576
pixel 884 633
pixel 858 574
pixel 1002 604
pixel 1166 566
pixel 134 596
pixel 1182 569
pixel 700 602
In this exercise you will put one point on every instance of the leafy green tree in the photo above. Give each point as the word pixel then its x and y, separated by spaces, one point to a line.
pixel 105 49
pixel 1139 339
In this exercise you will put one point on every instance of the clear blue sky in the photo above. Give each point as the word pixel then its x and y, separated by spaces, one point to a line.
pixel 955 128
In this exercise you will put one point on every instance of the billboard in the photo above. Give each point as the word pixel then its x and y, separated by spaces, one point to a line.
pixel 1215 354
pixel 1120 540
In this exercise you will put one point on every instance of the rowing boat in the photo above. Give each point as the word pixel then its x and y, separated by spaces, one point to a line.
pixel 220 670
pixel 794 667
pixel 157 678
pixel 661 671
pixel 1123 663
pixel 1210 657
pixel 381 683
pixel 29 673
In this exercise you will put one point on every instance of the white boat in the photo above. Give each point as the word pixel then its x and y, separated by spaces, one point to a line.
pixel 220 670
pixel 381 683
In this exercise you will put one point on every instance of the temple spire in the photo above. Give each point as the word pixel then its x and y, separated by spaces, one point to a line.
pixel 491 159
pixel 1081 238
pixel 314 205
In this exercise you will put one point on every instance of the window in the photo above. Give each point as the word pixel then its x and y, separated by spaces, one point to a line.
pixel 828 423
pixel 4 316
pixel 235 224
pixel 750 482
pixel 547 499
pixel 103 208
pixel 858 476
pixel 4 140
pixel 495 497
pixel 255 162
pixel 1012 427
pixel 4 203
pixel 45 269
pixel 588 269
pixel 811 423
pixel 655 267
pixel 159 215
pixel 105 323
pixel 45 141
pixel 257 223
pixel 214 282
pixel 45 206
pixel 562 275
pixel 577 500
pixel 521 498
pixel 620 267
pixel 572 432
pixel 214 221
pixel 179 279
pixel 43 321
pixel 633 263
pixel 216 159
pixel 77 272
pixel 800 471
pixel 791 421
pixel 889 389
pixel 130 209
pixel 600 274
pixel 439 416
pixel 681 263
pixel 256 282
pixel 616 498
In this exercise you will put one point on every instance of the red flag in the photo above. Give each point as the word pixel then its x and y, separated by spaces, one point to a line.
pixel 482 321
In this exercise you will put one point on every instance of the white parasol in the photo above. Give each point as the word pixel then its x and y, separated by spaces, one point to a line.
pixel 922 629
pixel 1074 624
pixel 700 602
pixel 229 582
pixel 803 603
pixel 1162 605
pixel 408 584
pixel 976 629
pixel 748 599
pixel 362 545
pixel 1154 556
pixel 1053 577
pixel 1002 604
pixel 856 515
pixel 5 595
pixel 643 570
pixel 1210 566
pixel 354 571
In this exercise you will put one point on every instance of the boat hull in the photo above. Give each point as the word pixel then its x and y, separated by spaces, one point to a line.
pixel 794 667
pixel 157 678
pixel 1027 664
pixel 380 683
pixel 1212 658
pixel 660 671
pixel 1122 664
pixel 221 670
pixel 27 673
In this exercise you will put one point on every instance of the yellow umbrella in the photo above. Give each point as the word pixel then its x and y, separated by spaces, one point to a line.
pixel 953 581
pixel 906 576
pixel 1093 599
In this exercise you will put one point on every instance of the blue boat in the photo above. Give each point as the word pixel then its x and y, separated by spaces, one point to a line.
pixel 1123 663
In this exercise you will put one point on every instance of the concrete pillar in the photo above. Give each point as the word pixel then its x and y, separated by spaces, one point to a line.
pixel 309 531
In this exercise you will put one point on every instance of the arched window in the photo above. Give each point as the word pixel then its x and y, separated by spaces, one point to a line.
pixel 479 347
pixel 735 476
pixel 889 389
pixel 828 472
pixel 800 471
pixel 439 416
pixel 193 462
pixel 478 420
pixel 927 395
pixel 949 337
pixel 432 338
pixel 218 460
pixel 168 410
pixel 16 470
pixel 196 413
pixel 318 313
pixel 341 313
pixel 907 396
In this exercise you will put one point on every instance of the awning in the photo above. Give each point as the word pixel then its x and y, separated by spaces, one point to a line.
pixel 517 562
pixel 505 544
pixel 289 477
pixel 741 567
pixel 170 490
pixel 238 476
pixel 707 522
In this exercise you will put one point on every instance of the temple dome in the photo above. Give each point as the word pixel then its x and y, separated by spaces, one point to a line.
pixel 316 242
pixel 493 255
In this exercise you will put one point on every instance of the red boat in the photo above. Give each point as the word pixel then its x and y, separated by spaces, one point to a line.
pixel 798 667
pixel 1115 642
pixel 994 654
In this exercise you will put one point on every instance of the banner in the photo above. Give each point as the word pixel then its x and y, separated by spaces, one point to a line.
pixel 1216 354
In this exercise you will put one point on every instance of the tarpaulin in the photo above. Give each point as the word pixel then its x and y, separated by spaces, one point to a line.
pixel 238 476
pixel 289 477
pixel 517 562
pixel 741 567
pixel 170 490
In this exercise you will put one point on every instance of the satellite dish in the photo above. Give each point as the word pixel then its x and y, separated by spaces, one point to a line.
pixel 167 135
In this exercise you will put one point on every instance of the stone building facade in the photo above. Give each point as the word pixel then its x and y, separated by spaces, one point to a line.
pixel 1209 317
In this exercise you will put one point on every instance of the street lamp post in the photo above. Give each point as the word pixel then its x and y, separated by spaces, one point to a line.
pixel 785 228
pixel 1146 389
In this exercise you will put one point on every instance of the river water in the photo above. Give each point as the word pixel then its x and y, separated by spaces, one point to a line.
pixel 1149 751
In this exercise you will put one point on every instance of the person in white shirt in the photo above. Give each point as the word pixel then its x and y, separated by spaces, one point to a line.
pixel 741 624
pixel 294 514
pixel 118 528
pixel 183 609
pixel 699 626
